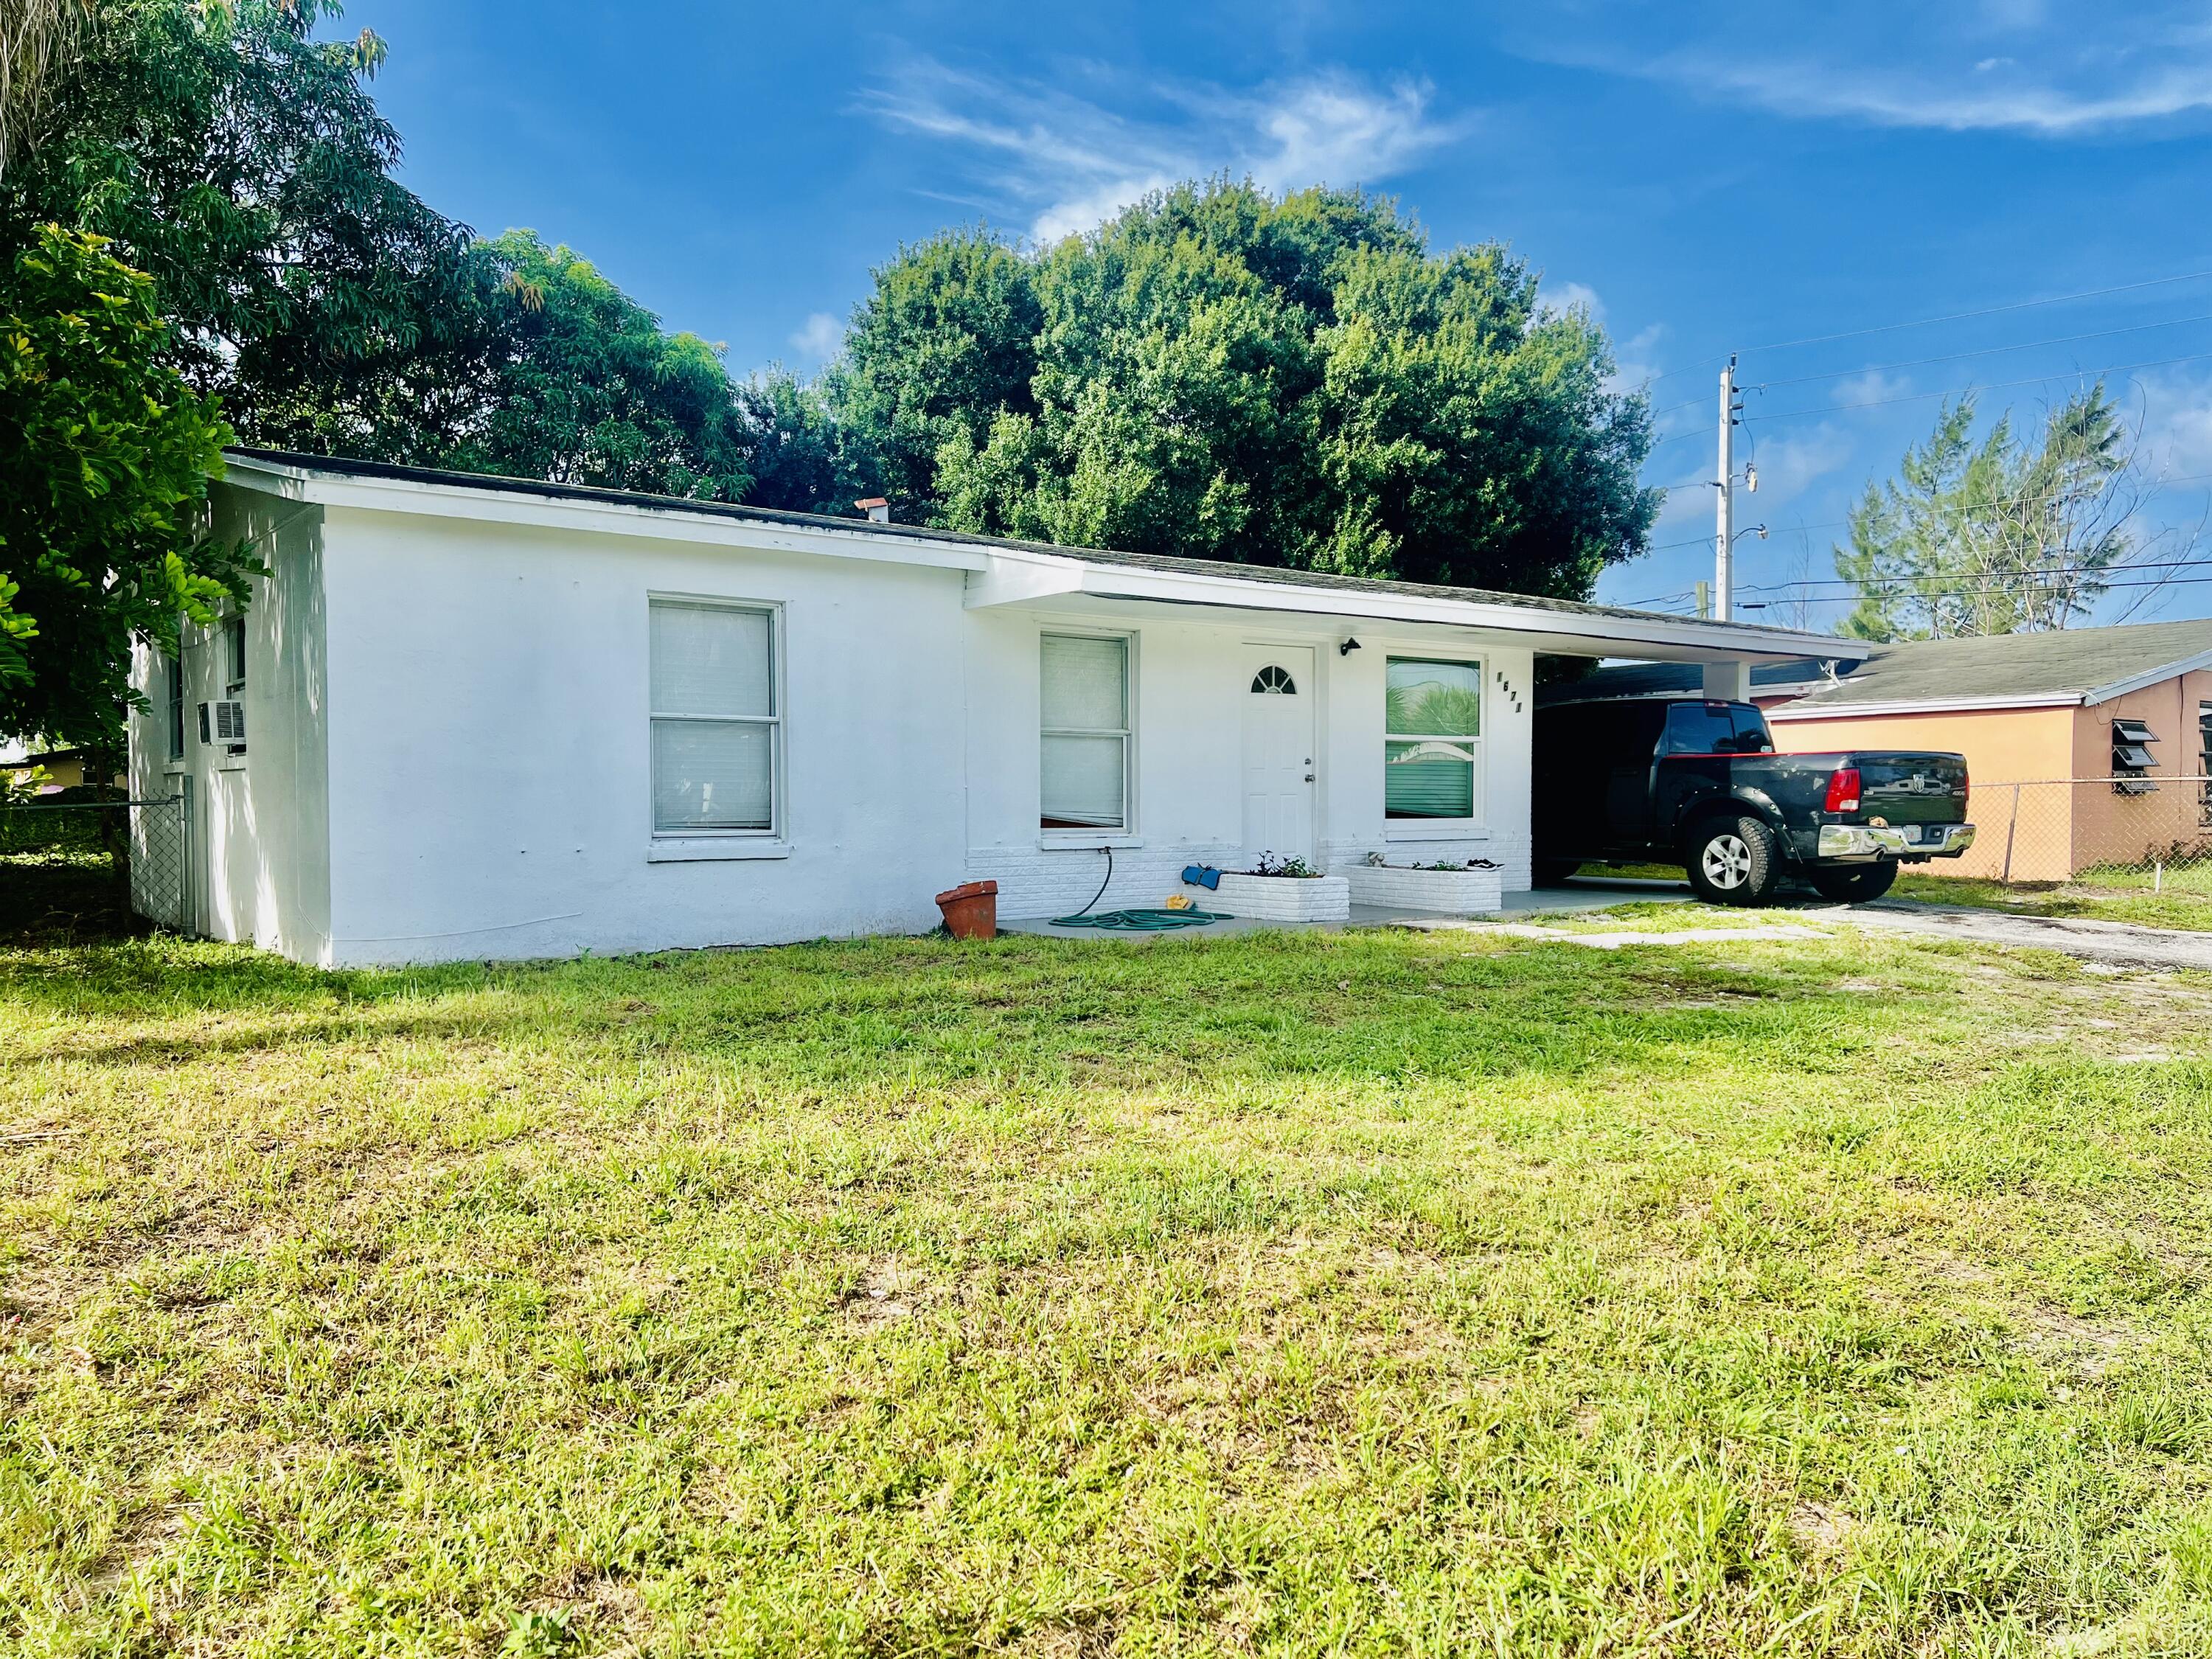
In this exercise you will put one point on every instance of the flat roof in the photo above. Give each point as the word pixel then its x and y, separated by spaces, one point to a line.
pixel 1679 633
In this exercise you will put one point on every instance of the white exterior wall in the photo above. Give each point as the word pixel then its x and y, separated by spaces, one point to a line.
pixel 491 791
pixel 1187 802
pixel 450 750
pixel 259 850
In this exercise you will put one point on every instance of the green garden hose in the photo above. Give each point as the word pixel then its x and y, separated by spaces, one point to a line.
pixel 1140 922
pixel 1134 921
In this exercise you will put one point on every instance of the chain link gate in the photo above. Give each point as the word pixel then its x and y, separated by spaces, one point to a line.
pixel 2149 834
pixel 151 840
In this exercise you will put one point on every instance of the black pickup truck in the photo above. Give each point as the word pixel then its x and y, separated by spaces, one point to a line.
pixel 1697 782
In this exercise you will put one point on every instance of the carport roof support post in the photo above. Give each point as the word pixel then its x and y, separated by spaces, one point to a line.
pixel 1727 681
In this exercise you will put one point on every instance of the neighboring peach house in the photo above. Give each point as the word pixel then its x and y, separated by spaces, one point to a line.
pixel 2087 746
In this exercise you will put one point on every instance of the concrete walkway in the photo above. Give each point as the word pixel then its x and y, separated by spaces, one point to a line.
pixel 2120 944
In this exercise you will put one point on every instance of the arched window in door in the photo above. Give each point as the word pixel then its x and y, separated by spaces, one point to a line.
pixel 1274 681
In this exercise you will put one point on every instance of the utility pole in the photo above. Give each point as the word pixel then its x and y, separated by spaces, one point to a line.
pixel 1724 533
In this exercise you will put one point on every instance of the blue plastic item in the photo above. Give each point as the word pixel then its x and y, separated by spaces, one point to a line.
pixel 1201 875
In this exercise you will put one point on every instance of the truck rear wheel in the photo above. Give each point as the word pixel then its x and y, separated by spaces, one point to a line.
pixel 1734 861
pixel 1856 886
pixel 1550 873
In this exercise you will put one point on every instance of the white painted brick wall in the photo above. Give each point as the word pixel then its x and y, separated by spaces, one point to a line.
pixel 1506 847
pixel 1056 881
pixel 1448 892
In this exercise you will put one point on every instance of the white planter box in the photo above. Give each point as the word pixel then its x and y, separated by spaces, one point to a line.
pixel 1282 898
pixel 1444 892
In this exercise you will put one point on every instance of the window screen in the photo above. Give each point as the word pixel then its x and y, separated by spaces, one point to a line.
pixel 1432 714
pixel 1084 773
pixel 715 723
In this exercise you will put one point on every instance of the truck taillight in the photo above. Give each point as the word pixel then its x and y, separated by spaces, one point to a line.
pixel 1844 790
pixel 1965 792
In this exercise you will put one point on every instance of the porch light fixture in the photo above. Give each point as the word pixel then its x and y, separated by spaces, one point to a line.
pixel 1346 647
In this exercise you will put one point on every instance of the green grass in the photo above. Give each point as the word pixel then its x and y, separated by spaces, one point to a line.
pixel 2183 899
pixel 1360 1293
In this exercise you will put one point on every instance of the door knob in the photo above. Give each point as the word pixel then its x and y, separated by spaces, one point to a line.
pixel 1308 777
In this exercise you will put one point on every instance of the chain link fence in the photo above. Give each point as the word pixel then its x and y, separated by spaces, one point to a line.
pixel 2148 833
pixel 91 860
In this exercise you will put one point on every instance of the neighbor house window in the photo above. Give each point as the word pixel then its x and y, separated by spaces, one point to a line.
pixel 1432 744
pixel 717 718
pixel 1085 704
pixel 234 656
pixel 173 666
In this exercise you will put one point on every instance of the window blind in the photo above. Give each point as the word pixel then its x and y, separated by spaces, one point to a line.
pixel 1433 711
pixel 714 719
pixel 1085 756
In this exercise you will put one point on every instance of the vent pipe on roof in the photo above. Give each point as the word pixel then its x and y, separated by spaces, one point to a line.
pixel 878 509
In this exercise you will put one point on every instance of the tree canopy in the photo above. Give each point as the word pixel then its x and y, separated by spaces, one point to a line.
pixel 1221 374
pixel 102 481
pixel 2004 536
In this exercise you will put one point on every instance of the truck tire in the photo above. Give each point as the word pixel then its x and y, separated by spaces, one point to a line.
pixel 1856 886
pixel 1550 873
pixel 1734 861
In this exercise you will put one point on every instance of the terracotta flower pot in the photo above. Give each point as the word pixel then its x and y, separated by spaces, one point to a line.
pixel 971 909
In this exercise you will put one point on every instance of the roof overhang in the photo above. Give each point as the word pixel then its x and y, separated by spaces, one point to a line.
pixel 2201 661
pixel 1826 711
pixel 656 523
pixel 1021 578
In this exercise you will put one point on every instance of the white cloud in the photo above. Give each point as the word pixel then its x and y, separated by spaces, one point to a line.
pixel 2001 65
pixel 816 339
pixel 1068 162
pixel 1872 387
pixel 1786 466
pixel 1562 297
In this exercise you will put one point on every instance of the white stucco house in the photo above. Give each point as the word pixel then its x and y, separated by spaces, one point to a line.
pixel 484 718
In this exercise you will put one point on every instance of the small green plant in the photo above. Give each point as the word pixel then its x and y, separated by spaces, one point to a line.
pixel 1269 865
pixel 538 1635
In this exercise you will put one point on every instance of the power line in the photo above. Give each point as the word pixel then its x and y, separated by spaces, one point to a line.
pixel 1983 352
pixel 1995 386
pixel 1930 322
pixel 1986 311
pixel 2156 486
pixel 2047 574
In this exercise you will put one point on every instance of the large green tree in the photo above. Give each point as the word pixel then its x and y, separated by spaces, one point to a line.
pixel 2000 536
pixel 103 476
pixel 1221 374
pixel 586 387
pixel 240 162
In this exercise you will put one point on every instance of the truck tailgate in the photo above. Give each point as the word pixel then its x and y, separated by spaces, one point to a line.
pixel 1909 788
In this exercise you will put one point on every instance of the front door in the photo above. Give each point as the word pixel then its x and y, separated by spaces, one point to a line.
pixel 1279 750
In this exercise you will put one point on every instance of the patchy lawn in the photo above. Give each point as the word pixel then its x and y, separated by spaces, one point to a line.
pixel 2183 900
pixel 1373 1292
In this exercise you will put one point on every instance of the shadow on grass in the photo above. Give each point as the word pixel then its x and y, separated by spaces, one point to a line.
pixel 1359 1008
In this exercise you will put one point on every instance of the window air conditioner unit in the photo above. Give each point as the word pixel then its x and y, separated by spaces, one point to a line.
pixel 224 723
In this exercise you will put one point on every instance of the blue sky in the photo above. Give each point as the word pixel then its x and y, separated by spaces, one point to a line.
pixel 1707 177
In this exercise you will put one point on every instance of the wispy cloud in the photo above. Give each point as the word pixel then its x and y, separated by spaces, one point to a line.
pixel 1999 65
pixel 1067 162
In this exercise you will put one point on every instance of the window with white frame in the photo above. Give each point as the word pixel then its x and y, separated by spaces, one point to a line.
pixel 234 655
pixel 1432 744
pixel 1085 781
pixel 717 718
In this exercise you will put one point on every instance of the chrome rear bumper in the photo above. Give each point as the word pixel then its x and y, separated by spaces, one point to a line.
pixel 1863 841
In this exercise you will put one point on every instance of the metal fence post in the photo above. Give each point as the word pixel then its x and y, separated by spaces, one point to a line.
pixel 2011 827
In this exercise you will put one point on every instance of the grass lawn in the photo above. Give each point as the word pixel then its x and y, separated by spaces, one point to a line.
pixel 1364 1293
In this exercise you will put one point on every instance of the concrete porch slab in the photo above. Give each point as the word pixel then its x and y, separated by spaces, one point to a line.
pixel 1576 895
